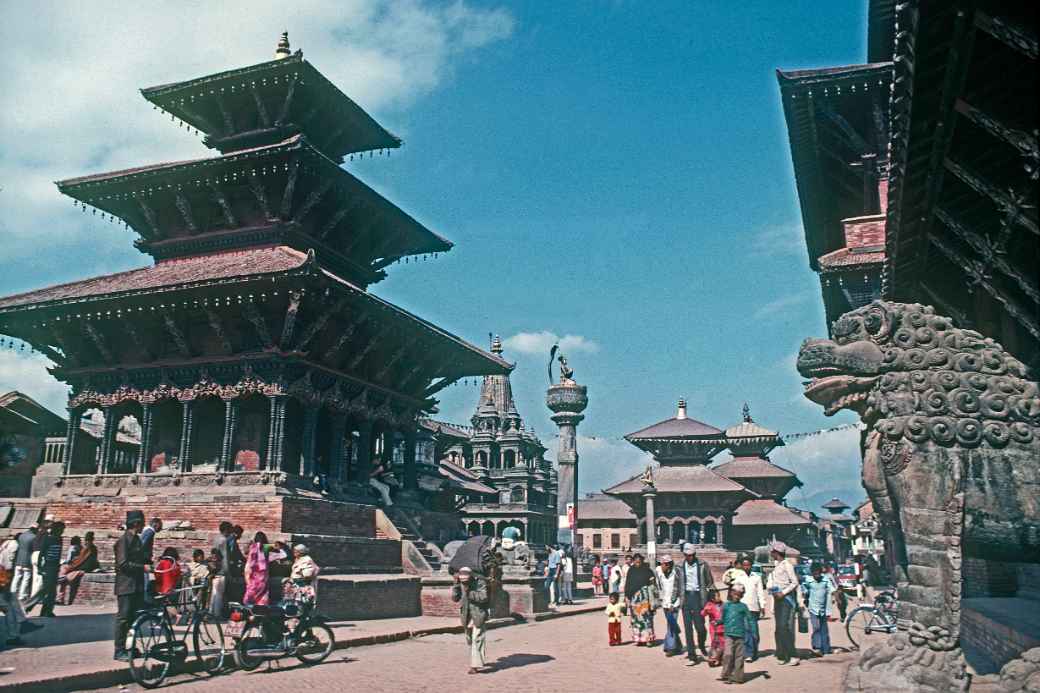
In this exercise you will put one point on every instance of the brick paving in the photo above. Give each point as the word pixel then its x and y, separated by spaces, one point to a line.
pixel 557 655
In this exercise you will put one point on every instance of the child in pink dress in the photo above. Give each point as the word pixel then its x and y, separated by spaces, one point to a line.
pixel 712 614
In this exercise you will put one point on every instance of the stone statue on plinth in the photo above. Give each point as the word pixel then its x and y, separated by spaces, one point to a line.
pixel 567 400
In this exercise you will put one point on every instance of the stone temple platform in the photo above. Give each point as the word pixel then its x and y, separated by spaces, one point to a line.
pixel 362 574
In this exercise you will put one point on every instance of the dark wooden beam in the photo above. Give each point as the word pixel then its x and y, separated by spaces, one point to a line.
pixel 1015 36
pixel 846 132
pixel 290 187
pixel 440 385
pixel 217 326
pixel 176 334
pixel 361 232
pixel 1023 316
pixel 336 218
pixel 256 186
pixel 150 218
pixel 184 207
pixel 130 327
pixel 313 199
pixel 225 114
pixel 945 306
pixel 291 311
pixel 287 104
pixel 374 339
pixel 319 323
pixel 332 355
pixel 261 109
pixel 990 253
pixel 70 356
pixel 99 341
pixel 1025 143
pixel 194 116
pixel 225 206
pixel 253 315
pixel 1009 205
pixel 392 361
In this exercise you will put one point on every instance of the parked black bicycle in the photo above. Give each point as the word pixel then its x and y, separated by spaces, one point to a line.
pixel 289 629
pixel 156 647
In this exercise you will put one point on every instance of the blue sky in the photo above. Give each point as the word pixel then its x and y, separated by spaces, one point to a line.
pixel 606 172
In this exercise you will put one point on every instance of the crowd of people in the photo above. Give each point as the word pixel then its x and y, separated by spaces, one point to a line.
pixel 36 569
pixel 720 622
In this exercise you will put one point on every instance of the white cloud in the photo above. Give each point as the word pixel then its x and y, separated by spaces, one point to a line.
pixel 783 239
pixel 28 374
pixel 778 306
pixel 829 460
pixel 73 70
pixel 541 342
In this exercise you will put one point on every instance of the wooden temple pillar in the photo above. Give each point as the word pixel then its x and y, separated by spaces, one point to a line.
pixel 411 475
pixel 70 438
pixel 275 432
pixel 187 430
pixel 310 427
pixel 141 465
pixel 338 448
pixel 108 435
pixel 364 453
pixel 227 447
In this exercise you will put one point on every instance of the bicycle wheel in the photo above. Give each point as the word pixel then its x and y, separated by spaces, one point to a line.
pixel 252 638
pixel 865 626
pixel 208 638
pixel 316 643
pixel 150 648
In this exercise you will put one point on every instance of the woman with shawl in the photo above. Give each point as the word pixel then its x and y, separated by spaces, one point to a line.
pixel 256 571
pixel 640 591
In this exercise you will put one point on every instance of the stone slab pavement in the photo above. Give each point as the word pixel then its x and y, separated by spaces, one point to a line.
pixel 74 650
pixel 555 656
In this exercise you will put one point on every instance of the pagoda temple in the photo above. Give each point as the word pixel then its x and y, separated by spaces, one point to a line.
pixel 506 456
pixel 734 506
pixel 251 353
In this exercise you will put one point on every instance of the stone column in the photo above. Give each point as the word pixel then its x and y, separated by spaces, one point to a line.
pixel 310 427
pixel 649 494
pixel 187 429
pixel 146 438
pixel 107 449
pixel 567 400
pixel 227 447
pixel 70 438
pixel 275 432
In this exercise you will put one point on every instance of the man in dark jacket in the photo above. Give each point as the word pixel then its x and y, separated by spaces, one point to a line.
pixel 471 590
pixel 131 565
pixel 693 580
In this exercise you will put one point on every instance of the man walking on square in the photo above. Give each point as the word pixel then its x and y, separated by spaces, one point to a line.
pixel 471 591
pixel 693 580
pixel 818 591
pixel 783 583
pixel 131 567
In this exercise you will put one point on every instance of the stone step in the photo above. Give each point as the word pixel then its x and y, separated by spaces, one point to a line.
pixel 366 596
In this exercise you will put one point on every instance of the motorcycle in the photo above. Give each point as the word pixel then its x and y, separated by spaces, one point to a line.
pixel 289 629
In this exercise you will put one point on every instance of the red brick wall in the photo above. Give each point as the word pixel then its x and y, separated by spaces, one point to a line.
pixel 205 513
pixel 865 234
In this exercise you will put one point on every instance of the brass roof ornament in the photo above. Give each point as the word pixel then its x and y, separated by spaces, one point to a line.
pixel 282 51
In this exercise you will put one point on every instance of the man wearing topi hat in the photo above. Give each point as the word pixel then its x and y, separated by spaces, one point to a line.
pixel 471 589
pixel 693 579
pixel 131 566
pixel 783 582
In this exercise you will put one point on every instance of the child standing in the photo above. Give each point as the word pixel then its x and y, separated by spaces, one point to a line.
pixel 736 619
pixel 597 577
pixel 614 619
pixel 712 615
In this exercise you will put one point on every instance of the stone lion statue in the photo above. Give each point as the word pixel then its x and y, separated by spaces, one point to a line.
pixel 951 460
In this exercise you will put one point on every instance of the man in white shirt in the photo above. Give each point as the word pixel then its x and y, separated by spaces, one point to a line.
pixel 755 600
pixel 784 582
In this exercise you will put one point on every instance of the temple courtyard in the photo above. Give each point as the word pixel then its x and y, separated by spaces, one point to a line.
pixel 558 654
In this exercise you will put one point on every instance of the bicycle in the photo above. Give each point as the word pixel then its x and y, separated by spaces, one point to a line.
pixel 867 621
pixel 154 648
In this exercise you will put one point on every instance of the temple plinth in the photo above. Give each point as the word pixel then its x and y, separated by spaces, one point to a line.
pixel 567 400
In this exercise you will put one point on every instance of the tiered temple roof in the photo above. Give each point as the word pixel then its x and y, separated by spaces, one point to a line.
pixel 766 511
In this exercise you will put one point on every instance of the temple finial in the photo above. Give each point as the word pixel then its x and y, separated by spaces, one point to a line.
pixel 682 409
pixel 747 413
pixel 496 345
pixel 282 51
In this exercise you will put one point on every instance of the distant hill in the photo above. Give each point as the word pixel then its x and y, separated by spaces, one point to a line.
pixel 852 496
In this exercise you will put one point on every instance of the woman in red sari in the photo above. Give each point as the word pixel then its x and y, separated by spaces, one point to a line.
pixel 256 571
